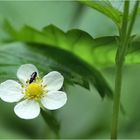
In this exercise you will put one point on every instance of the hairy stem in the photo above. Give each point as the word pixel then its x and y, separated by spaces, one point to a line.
pixel 120 58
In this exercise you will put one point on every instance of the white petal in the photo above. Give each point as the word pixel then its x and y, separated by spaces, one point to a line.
pixel 53 81
pixel 25 71
pixel 54 100
pixel 11 91
pixel 27 109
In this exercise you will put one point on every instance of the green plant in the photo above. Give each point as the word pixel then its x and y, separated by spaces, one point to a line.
pixel 84 55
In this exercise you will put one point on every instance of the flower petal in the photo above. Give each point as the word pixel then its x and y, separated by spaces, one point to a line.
pixel 27 109
pixel 11 91
pixel 53 81
pixel 54 100
pixel 25 71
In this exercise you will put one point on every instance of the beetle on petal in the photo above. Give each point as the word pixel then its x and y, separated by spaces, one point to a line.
pixel 33 91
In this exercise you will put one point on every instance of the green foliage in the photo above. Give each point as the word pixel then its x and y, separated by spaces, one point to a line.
pixel 84 53
pixel 74 41
pixel 99 52
pixel 76 55
pixel 48 58
pixel 133 53
pixel 105 8
pixel 66 50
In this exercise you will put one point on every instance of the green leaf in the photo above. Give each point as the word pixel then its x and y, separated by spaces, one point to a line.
pixel 77 66
pixel 75 46
pixel 99 52
pixel 105 8
pixel 133 54
pixel 48 58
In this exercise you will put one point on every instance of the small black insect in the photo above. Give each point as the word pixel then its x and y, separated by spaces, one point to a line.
pixel 33 77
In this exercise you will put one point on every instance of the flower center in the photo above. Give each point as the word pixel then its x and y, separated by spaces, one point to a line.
pixel 34 90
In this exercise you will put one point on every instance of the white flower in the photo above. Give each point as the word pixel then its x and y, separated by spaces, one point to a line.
pixel 33 91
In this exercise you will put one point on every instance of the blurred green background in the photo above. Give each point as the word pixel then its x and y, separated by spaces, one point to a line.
pixel 85 115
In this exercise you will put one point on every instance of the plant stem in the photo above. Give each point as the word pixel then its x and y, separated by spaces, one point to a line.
pixel 51 122
pixel 120 58
pixel 116 105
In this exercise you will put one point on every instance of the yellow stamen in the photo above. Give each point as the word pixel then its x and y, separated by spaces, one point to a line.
pixel 34 90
